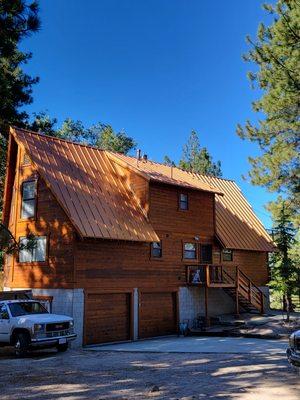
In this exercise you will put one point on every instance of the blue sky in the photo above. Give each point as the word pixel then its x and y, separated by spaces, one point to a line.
pixel 155 68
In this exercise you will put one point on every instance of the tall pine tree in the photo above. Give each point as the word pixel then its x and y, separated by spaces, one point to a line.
pixel 276 54
pixel 18 19
pixel 197 159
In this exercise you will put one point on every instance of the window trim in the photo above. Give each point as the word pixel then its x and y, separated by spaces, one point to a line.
pixel 179 201
pixel 34 198
pixel 152 257
pixel 231 253
pixel 196 259
pixel 45 262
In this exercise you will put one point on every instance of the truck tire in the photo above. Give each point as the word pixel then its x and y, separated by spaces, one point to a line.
pixel 62 347
pixel 21 344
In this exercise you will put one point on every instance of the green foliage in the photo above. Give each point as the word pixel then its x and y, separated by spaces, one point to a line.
pixel 17 20
pixel 284 263
pixel 276 52
pixel 99 135
pixel 197 159
pixel 168 162
pixel 108 139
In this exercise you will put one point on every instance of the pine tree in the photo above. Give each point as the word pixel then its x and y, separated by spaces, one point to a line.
pixel 18 20
pixel 197 159
pixel 167 161
pixel 276 54
pixel 284 264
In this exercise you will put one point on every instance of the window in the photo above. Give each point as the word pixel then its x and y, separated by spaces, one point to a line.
pixel 27 308
pixel 189 251
pixel 28 199
pixel 183 201
pixel 26 159
pixel 156 250
pixel 227 255
pixel 206 253
pixel 35 254
pixel 3 312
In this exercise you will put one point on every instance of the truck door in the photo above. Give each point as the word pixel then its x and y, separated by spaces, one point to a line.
pixel 4 323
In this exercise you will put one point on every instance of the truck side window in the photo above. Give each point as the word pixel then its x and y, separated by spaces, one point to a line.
pixel 3 312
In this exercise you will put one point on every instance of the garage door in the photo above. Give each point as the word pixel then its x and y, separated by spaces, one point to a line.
pixel 107 317
pixel 157 314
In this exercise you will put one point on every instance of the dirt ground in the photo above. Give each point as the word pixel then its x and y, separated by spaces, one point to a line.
pixel 81 374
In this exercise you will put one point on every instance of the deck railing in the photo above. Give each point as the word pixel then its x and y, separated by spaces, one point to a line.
pixel 220 276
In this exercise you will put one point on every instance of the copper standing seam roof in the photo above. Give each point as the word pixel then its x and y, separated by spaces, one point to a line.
pixel 237 226
pixel 236 223
pixel 86 184
pixel 164 174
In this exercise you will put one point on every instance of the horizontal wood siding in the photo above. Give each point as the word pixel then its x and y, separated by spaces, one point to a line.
pixel 50 221
pixel 253 263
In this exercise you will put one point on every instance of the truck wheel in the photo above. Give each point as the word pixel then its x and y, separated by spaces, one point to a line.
pixel 21 344
pixel 62 347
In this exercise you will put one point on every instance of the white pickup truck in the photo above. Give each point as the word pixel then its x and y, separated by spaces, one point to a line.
pixel 26 324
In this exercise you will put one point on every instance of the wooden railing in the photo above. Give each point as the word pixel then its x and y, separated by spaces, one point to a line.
pixel 220 276
pixel 250 291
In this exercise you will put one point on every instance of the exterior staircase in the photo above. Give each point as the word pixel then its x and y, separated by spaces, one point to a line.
pixel 234 282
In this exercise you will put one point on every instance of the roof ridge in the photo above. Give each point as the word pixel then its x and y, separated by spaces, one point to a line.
pixel 59 139
pixel 180 169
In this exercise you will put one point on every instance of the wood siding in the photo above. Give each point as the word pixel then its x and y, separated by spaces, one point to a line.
pixel 50 221
pixel 108 264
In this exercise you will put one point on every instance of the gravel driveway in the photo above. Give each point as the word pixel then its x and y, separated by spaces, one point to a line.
pixel 83 374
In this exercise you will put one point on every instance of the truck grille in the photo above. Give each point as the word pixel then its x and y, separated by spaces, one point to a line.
pixel 58 326
pixel 64 332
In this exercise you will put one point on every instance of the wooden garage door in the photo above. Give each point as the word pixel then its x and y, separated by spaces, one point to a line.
pixel 157 314
pixel 107 317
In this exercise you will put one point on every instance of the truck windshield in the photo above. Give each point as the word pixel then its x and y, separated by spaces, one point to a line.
pixel 26 308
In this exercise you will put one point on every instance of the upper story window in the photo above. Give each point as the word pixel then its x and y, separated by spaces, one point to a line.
pixel 28 199
pixel 26 159
pixel 156 250
pixel 35 254
pixel 206 253
pixel 227 255
pixel 190 251
pixel 183 201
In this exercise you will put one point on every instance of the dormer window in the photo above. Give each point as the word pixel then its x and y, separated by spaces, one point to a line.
pixel 183 201
pixel 28 199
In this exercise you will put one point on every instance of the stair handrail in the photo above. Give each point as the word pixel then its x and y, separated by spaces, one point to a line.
pixel 252 283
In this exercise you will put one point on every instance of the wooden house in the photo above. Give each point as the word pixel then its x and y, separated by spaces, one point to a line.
pixel 127 246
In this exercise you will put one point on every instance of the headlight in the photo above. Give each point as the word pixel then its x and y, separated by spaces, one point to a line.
pixel 71 325
pixel 292 341
pixel 39 327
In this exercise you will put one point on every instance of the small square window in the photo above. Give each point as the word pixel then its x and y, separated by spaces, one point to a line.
pixel 190 251
pixel 183 201
pixel 227 255
pixel 156 250
pixel 35 254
